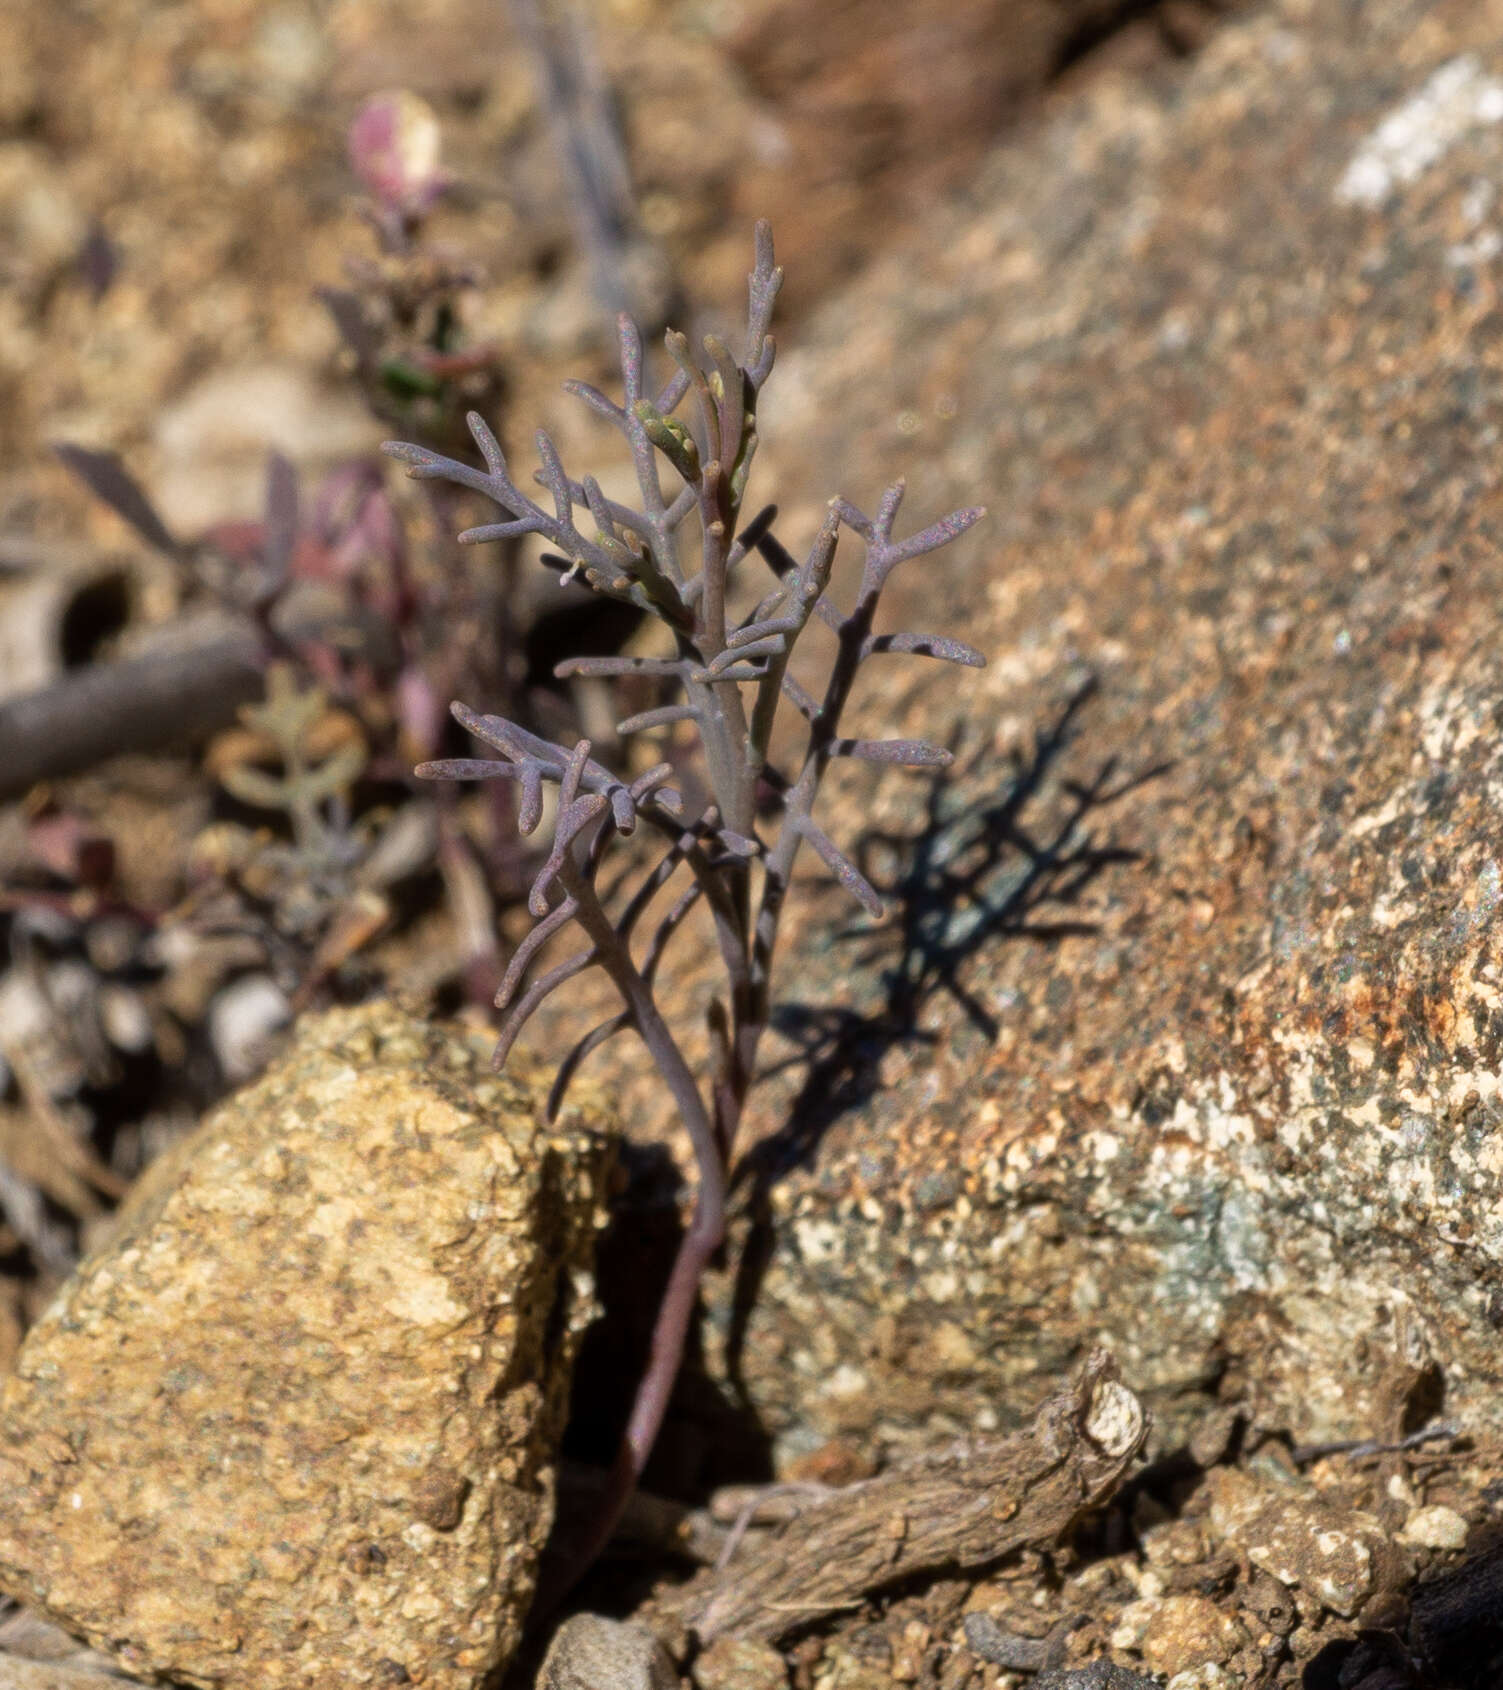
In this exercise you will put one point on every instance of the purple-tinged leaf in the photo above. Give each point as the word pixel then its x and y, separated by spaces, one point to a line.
pixel 532 943
pixel 911 753
pixel 763 285
pixel 758 371
pixel 599 509
pixel 685 501
pixel 523 1009
pixel 533 745
pixel 630 338
pixel 887 512
pixel 494 730
pixel 741 672
pixel 490 447
pixel 281 519
pixel 568 787
pixel 672 395
pixel 623 811
pixel 732 391
pixel 650 780
pixel 771 645
pixel 814 577
pixel 570 1065
pixel 925 645
pixel 110 481
pixel 410 453
pixel 489 531
pixel 854 519
pixel 350 320
pixel 572 821
pixel 423 465
pixel 596 400
pixel 607 666
pixel 576 816
pixel 621 516
pixel 659 718
pixel 554 478
pixel 773 599
pixel 530 810
pixel 755 632
pixel 840 865
pixel 937 534
pixel 467 768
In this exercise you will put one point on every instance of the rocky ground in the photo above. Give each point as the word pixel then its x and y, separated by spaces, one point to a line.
pixel 1182 1038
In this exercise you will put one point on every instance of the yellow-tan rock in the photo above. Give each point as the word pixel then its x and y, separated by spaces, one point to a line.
pixel 295 1424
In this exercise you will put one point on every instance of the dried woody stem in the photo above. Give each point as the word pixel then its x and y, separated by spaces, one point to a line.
pixel 957 1508
pixel 643 556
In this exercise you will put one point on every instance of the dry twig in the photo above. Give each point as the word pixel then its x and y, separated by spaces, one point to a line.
pixel 952 1509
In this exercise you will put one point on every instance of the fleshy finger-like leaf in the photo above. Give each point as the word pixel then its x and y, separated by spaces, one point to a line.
pixel 910 753
pixel 572 821
pixel 925 645
pixel 770 645
pixel 466 768
pixel 531 944
pixel 522 1010
pixel 659 718
pixel 840 865
pixel 577 1054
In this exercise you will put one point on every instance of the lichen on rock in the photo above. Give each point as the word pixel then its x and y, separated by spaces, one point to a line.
pixel 295 1423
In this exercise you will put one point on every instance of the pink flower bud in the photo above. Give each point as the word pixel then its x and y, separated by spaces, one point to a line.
pixel 394 147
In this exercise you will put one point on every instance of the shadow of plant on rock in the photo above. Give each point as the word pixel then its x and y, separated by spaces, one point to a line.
pixel 971 875
pixel 968 876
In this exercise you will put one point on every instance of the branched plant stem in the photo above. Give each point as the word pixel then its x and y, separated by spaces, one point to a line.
pixel 639 555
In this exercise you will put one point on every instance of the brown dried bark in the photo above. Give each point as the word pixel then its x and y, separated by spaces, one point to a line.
pixel 955 1508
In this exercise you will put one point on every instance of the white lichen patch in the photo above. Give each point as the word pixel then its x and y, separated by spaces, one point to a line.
pixel 1457 98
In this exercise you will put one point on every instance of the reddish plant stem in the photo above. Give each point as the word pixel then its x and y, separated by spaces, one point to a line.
pixel 704 1237
pixel 669 1334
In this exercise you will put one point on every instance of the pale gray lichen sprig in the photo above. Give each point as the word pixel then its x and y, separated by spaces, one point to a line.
pixel 677 555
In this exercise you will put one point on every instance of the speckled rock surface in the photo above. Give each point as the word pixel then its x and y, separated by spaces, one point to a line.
pixel 1339 1557
pixel 1255 1571
pixel 591 1652
pixel 1186 1034
pixel 295 1424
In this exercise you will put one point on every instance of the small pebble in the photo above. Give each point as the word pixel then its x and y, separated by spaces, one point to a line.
pixel 1435 1527
pixel 241 1021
